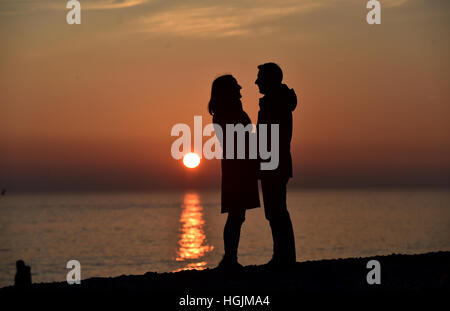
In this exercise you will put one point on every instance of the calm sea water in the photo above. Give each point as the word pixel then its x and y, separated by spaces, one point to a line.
pixel 132 233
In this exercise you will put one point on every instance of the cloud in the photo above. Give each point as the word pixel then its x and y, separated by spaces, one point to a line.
pixel 392 3
pixel 14 7
pixel 224 19
pixel 110 4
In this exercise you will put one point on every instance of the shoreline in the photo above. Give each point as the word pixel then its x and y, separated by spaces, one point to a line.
pixel 399 273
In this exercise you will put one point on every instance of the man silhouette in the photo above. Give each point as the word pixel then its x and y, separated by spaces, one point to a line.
pixel 276 107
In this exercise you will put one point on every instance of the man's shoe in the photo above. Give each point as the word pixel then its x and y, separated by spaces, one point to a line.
pixel 278 264
pixel 229 265
pixel 273 264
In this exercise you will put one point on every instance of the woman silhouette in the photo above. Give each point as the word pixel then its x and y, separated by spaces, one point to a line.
pixel 239 179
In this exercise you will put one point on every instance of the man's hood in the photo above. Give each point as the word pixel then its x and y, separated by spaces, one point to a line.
pixel 284 98
pixel 289 97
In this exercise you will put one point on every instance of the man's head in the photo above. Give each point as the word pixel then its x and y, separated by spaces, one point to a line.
pixel 269 78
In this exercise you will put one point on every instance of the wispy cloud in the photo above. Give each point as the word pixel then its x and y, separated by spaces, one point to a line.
pixel 224 19
pixel 111 4
pixel 392 3
pixel 12 7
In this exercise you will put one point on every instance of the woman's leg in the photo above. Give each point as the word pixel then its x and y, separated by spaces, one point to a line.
pixel 232 233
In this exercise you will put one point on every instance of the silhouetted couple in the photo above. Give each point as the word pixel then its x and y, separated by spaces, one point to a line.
pixel 240 176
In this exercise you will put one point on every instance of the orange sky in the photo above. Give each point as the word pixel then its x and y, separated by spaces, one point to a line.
pixel 92 105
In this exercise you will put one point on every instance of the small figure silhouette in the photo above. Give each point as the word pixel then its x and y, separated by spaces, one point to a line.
pixel 3 191
pixel 23 275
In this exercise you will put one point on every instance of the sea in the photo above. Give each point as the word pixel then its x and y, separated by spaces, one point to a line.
pixel 125 233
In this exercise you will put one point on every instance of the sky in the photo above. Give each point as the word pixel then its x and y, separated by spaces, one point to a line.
pixel 91 106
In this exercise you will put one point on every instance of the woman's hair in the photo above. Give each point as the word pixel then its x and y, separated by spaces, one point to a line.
pixel 221 94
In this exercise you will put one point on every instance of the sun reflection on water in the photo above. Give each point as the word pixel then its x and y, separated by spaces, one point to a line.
pixel 192 246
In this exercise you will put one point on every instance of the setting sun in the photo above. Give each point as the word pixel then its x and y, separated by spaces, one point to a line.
pixel 191 160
